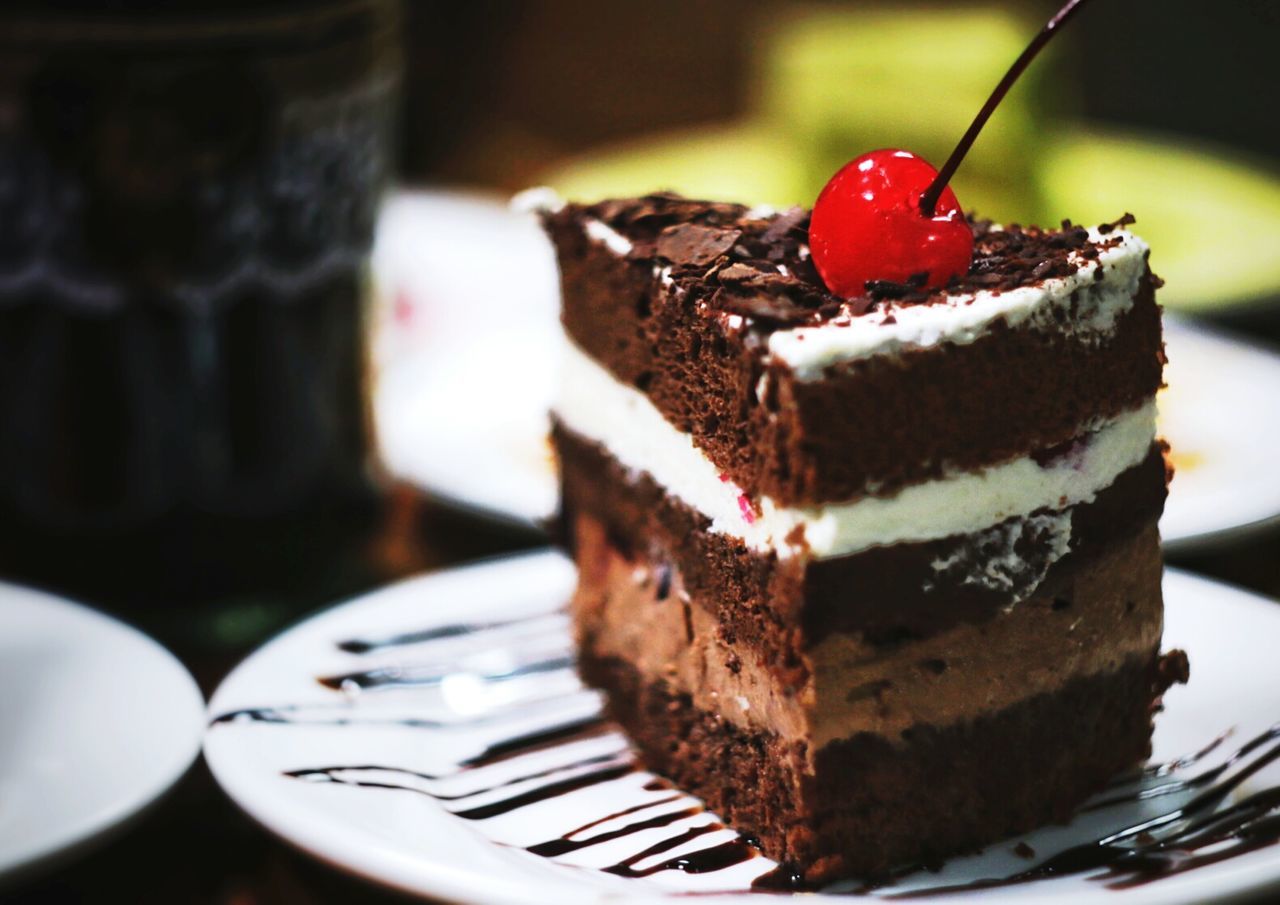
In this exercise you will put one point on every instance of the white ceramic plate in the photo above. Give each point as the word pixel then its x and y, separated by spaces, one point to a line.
pixel 1221 416
pixel 400 767
pixel 468 345
pixel 96 722
pixel 466 340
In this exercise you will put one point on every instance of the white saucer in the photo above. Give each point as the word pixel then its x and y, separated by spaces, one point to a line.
pixel 364 772
pixel 468 344
pixel 466 339
pixel 97 721
pixel 1221 416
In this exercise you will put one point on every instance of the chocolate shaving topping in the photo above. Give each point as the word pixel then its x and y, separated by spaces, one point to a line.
pixel 1116 224
pixel 643 250
pixel 771 309
pixel 644 218
pixel 759 267
pixel 689 243
pixel 740 273
pixel 913 288
pixel 792 220
pixel 980 225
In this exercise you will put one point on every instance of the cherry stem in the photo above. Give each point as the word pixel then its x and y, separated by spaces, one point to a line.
pixel 929 199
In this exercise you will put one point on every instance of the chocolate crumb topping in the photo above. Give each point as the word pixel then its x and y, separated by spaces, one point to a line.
pixel 737 261
pixel 792 222
pixel 887 289
pixel 1174 668
pixel 689 243
pixel 1127 219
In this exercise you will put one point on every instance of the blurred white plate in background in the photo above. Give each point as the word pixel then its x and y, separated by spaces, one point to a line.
pixel 97 721
pixel 465 336
pixel 1221 415
pixel 467 340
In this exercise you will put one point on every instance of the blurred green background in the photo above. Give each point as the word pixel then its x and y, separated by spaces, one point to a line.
pixel 1159 107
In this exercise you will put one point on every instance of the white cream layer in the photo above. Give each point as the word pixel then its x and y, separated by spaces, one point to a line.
pixel 597 406
pixel 961 319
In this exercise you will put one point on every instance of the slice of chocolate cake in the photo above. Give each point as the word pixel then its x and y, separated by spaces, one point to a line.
pixel 878 578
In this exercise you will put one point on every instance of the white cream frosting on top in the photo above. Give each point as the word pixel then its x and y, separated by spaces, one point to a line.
pixel 594 404
pixel 606 235
pixel 964 317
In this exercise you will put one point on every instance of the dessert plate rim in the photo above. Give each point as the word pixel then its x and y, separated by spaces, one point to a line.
pixel 324 826
pixel 88 755
pixel 1253 505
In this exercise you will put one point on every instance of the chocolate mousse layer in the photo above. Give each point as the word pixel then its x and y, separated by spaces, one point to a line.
pixel 870 805
pixel 788 605
pixel 881 756
pixel 630 607
pixel 680 304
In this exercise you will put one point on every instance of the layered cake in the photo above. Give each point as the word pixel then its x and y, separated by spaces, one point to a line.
pixel 877 577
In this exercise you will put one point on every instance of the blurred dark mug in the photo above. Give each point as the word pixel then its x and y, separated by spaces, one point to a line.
pixel 188 194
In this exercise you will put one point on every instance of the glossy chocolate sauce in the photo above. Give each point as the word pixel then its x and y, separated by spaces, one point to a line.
pixel 702 861
pixel 562 845
pixel 299 715
pixel 438 633
pixel 402 677
pixel 539 740
pixel 1172 843
pixel 350 775
pixel 289 715
pixel 1195 834
pixel 1156 771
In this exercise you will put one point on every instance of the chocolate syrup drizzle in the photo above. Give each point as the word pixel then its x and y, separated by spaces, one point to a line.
pixel 289 714
pixel 343 714
pixel 401 677
pixel 347 776
pixel 702 861
pixel 562 845
pixel 1195 834
pixel 1169 844
pixel 438 633
pixel 1156 771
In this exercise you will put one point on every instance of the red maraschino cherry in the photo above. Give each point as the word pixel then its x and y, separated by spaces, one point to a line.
pixel 867 225
pixel 890 216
